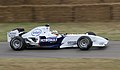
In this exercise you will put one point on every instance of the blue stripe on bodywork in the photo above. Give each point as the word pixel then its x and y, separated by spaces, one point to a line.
pixel 56 44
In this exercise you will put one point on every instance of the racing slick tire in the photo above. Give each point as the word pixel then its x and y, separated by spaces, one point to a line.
pixel 84 43
pixel 17 43
pixel 90 33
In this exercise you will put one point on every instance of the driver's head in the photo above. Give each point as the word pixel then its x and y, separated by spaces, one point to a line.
pixel 55 32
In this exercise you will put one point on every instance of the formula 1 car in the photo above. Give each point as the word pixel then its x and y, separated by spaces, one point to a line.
pixel 42 37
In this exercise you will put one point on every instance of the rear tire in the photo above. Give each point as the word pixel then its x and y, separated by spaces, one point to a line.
pixel 84 43
pixel 17 43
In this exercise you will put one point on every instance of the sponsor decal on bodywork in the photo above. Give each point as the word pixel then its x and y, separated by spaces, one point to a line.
pixel 50 39
pixel 36 32
pixel 72 42
pixel 12 34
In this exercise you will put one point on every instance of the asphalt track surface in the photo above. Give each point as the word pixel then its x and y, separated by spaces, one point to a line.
pixel 112 51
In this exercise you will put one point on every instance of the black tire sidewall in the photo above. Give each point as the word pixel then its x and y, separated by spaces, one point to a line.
pixel 21 40
pixel 88 46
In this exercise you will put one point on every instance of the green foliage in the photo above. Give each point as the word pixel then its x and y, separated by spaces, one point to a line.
pixel 110 30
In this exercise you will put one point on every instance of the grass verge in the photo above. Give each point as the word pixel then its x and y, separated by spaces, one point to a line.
pixel 110 30
pixel 59 64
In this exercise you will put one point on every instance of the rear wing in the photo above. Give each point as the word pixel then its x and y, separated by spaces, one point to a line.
pixel 12 34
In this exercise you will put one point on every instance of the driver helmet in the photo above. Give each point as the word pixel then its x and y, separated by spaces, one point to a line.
pixel 55 32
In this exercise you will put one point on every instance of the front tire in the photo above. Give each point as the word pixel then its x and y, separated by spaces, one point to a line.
pixel 84 43
pixel 17 43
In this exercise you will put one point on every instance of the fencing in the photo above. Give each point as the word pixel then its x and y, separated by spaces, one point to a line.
pixel 59 11
pixel 52 2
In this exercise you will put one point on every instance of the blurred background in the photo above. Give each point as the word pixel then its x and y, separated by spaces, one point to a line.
pixel 59 10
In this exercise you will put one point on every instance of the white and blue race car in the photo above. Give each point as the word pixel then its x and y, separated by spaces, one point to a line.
pixel 44 38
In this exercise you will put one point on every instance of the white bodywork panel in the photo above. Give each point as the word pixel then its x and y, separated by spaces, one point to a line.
pixel 71 40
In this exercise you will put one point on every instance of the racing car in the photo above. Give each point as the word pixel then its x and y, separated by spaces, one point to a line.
pixel 43 37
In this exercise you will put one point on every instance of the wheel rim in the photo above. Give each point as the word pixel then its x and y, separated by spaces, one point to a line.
pixel 17 44
pixel 84 43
